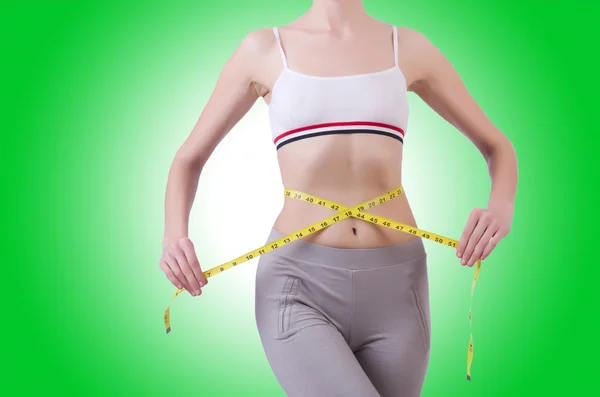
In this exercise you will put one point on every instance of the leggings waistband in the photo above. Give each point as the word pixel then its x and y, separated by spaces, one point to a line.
pixel 350 258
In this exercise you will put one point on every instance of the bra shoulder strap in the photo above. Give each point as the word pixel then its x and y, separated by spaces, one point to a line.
pixel 395 40
pixel 283 58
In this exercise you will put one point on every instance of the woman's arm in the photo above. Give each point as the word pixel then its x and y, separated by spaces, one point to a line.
pixel 440 86
pixel 233 95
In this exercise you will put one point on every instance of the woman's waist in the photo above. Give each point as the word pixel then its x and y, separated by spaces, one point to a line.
pixel 346 257
pixel 352 232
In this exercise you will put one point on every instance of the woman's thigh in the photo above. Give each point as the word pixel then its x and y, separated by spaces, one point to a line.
pixel 316 362
pixel 391 328
pixel 302 313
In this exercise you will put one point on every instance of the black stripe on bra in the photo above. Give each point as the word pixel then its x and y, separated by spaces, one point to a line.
pixel 332 132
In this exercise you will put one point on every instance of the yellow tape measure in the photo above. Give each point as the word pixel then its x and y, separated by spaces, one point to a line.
pixel 344 212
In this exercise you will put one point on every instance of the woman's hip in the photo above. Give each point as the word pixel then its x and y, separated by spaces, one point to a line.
pixel 303 284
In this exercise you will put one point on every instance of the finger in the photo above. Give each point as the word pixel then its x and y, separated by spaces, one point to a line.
pixel 190 253
pixel 491 245
pixel 186 270
pixel 170 275
pixel 481 227
pixel 481 244
pixel 177 272
pixel 464 239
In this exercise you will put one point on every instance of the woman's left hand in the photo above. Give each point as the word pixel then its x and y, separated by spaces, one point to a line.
pixel 485 228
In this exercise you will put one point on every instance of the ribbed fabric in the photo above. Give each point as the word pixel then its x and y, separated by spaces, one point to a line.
pixel 304 106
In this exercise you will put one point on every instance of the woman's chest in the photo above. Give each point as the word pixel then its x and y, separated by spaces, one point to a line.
pixel 299 100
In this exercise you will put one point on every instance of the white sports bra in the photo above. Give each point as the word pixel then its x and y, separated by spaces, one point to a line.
pixel 304 106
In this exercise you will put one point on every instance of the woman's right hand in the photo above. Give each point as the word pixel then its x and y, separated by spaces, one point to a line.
pixel 181 266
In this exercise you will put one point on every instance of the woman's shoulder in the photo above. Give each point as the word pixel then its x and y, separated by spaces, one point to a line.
pixel 410 36
pixel 255 48
pixel 415 45
pixel 259 40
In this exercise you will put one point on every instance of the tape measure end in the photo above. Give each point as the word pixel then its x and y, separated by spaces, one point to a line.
pixel 469 378
pixel 168 330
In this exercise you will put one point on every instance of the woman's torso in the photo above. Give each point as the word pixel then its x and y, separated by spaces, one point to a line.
pixel 339 113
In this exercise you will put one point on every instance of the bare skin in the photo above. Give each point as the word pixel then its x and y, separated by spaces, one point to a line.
pixel 336 38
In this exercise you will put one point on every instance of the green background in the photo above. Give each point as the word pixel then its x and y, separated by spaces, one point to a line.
pixel 97 99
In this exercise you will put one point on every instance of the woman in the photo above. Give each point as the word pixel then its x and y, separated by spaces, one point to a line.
pixel 343 311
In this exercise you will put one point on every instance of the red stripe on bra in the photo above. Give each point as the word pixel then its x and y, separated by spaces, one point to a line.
pixel 339 124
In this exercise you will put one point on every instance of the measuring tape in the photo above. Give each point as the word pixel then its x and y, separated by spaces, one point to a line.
pixel 344 212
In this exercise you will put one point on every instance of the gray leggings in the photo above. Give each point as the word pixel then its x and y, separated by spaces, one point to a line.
pixel 348 322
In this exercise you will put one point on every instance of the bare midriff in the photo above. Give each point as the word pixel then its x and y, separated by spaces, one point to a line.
pixel 348 169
